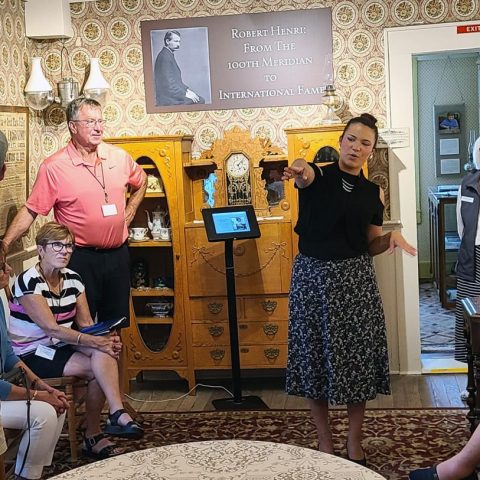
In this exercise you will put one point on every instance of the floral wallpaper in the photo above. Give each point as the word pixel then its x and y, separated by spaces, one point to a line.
pixel 110 30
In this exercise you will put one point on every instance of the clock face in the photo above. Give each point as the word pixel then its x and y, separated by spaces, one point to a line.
pixel 237 165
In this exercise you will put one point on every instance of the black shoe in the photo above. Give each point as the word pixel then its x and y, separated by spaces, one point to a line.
pixel 431 474
pixel 424 474
pixel 362 462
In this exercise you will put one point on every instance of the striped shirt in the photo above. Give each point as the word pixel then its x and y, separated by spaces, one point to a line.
pixel 25 334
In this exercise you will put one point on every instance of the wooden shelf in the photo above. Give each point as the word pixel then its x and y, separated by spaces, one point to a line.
pixel 275 158
pixel 151 195
pixel 154 320
pixel 154 194
pixel 203 163
pixel 152 292
pixel 150 243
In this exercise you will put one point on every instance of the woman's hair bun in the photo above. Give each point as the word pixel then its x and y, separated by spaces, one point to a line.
pixel 370 118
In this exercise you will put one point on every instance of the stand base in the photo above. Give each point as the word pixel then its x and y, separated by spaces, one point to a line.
pixel 247 403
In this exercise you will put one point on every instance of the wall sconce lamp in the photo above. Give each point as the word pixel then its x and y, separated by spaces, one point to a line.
pixel 330 100
pixel 96 86
pixel 39 93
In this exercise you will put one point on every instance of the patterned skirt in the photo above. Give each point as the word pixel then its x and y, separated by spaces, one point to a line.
pixel 337 346
pixel 465 288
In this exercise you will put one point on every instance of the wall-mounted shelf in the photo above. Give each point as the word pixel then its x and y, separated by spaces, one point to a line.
pixel 202 164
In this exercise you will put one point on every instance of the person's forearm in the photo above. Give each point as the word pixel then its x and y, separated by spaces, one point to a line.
pixel 31 377
pixel 72 337
pixel 18 393
pixel 20 224
pixel 134 201
pixel 379 244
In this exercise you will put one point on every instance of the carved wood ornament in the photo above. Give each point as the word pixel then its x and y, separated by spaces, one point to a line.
pixel 238 141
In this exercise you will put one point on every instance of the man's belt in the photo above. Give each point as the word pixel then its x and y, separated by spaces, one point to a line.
pixel 98 249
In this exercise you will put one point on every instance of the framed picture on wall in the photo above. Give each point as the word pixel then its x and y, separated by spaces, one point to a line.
pixel 449 122
pixel 14 124
pixel 449 127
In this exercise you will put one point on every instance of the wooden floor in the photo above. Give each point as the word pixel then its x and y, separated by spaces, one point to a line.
pixel 408 391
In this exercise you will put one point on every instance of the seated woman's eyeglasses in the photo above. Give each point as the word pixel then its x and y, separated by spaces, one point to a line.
pixel 59 246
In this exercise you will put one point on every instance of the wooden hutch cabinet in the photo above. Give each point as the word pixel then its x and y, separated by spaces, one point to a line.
pixel 157 341
pixel 237 170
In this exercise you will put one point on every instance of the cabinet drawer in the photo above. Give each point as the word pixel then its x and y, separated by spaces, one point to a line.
pixel 272 308
pixel 263 332
pixel 212 309
pixel 210 334
pixel 248 332
pixel 251 356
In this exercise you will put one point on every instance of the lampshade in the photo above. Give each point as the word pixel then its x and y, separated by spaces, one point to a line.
pixel 96 86
pixel 330 99
pixel 38 92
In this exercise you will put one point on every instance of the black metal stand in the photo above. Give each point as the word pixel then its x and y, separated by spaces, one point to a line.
pixel 238 402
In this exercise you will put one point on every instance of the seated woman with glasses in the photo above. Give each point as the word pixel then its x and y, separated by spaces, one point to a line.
pixel 47 299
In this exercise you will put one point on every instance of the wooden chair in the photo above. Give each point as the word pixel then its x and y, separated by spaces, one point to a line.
pixel 471 329
pixel 68 385
pixel 72 387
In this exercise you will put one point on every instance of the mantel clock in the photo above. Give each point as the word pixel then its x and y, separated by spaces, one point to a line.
pixel 239 189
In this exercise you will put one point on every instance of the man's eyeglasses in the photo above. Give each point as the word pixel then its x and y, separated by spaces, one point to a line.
pixel 59 246
pixel 90 122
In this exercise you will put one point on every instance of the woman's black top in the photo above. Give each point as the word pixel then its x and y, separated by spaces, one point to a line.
pixel 334 217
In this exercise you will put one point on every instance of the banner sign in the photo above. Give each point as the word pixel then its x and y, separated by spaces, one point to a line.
pixel 237 61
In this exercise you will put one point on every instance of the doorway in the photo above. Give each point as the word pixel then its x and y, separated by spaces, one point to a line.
pixel 401 45
pixel 444 84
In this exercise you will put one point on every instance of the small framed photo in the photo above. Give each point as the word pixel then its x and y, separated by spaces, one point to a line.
pixel 449 122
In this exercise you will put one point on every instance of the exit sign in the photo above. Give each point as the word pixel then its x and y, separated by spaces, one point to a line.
pixel 469 28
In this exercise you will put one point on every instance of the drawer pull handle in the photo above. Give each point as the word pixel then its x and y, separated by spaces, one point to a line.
pixel 215 331
pixel 243 326
pixel 272 353
pixel 215 308
pixel 217 354
pixel 244 350
pixel 269 306
pixel 270 329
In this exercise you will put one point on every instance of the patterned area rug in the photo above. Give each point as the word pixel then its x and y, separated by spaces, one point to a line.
pixel 396 441
pixel 437 324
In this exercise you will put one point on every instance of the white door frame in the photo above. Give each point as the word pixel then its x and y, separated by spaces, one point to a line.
pixel 401 44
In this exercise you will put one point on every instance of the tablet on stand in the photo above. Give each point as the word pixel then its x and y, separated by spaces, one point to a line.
pixel 226 224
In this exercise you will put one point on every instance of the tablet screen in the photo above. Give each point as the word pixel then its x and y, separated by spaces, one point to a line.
pixel 233 222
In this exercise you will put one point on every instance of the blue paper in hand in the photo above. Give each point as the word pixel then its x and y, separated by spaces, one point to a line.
pixel 102 328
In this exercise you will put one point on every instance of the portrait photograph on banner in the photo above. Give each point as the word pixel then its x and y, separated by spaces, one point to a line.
pixel 237 61
pixel 180 57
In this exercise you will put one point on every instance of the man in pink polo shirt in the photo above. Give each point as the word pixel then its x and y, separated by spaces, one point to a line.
pixel 85 183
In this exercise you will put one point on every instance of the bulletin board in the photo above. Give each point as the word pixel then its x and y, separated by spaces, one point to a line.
pixel 13 188
pixel 449 128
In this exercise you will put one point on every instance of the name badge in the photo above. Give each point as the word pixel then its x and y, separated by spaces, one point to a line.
pixel 467 199
pixel 109 210
pixel 45 352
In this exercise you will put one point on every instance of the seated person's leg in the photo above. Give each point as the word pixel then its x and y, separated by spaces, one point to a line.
pixel 46 427
pixel 459 467
pixel 103 370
